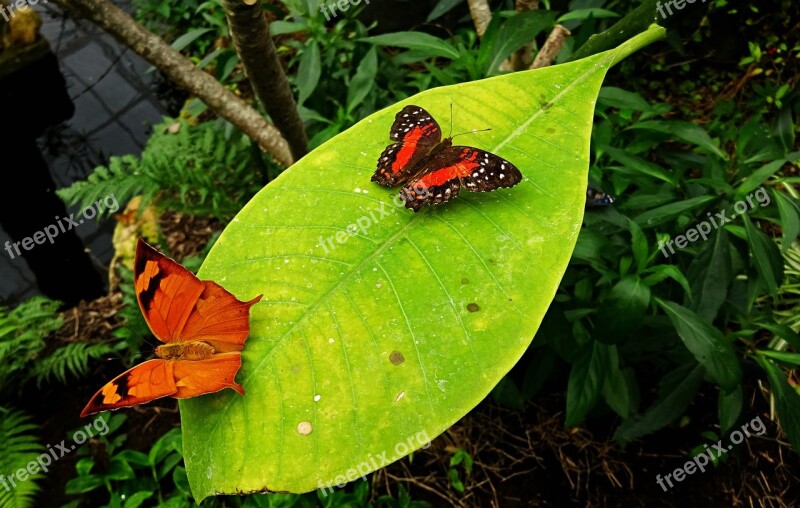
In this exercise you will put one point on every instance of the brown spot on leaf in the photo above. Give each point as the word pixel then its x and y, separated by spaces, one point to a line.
pixel 464 280
pixel 473 307
pixel 396 357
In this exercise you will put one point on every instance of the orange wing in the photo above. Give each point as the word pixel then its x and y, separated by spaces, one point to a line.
pixel 148 381
pixel 207 376
pixel 180 307
pixel 208 324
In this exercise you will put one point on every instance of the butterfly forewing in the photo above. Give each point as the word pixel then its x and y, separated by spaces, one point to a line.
pixel 455 167
pixel 415 133
pixel 147 381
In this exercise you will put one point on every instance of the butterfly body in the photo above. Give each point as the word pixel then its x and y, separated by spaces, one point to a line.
pixel 191 351
pixel 432 169
pixel 203 328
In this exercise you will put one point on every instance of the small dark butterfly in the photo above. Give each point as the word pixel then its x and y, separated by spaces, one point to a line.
pixel 596 198
pixel 432 170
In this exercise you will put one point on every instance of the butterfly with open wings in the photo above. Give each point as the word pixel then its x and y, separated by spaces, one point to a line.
pixel 432 170
pixel 203 328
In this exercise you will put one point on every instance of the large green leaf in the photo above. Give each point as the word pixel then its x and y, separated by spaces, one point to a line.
pixel 379 327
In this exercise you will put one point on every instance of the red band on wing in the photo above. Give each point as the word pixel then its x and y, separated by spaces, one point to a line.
pixel 410 145
pixel 444 175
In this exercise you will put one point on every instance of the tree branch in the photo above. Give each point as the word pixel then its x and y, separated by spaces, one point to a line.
pixel 551 47
pixel 522 57
pixel 250 34
pixel 481 15
pixel 184 73
pixel 634 23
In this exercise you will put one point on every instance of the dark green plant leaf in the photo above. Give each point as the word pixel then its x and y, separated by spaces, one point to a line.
pixel 513 34
pixel 730 407
pixel 712 349
pixel 632 164
pixel 677 390
pixel 712 277
pixel 442 8
pixel 668 212
pixel 309 72
pixel 790 221
pixel 586 380
pixel 363 81
pixel 687 131
pixel 580 14
pixel 432 46
pixel 380 328
pixel 617 386
pixel 539 369
pixel 787 401
pixel 622 310
pixel 189 37
pixel 766 256
pixel 507 394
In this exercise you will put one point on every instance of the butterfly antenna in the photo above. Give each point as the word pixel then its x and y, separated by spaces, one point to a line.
pixel 472 132
pixel 451 121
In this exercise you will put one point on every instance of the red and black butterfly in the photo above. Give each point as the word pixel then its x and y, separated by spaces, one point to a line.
pixel 432 170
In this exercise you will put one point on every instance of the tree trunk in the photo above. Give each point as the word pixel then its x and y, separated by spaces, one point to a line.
pixel 184 73
pixel 522 57
pixel 250 34
pixel 481 15
pixel 551 48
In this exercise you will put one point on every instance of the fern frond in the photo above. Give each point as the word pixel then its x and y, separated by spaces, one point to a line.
pixel 122 178
pixel 205 169
pixel 22 333
pixel 18 447
pixel 70 360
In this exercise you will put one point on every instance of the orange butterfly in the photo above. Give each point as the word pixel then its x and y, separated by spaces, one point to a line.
pixel 203 328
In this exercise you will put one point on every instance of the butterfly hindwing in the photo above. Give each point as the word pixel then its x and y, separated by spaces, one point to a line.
pixel 415 133
pixel 458 167
pixel 147 381
pixel 207 376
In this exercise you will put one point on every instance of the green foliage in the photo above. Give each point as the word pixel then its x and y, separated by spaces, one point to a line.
pixel 22 334
pixel 25 353
pixel 18 447
pixel 134 331
pixel 132 477
pixel 632 304
pixel 125 477
pixel 207 169
pixel 72 359
pixel 460 458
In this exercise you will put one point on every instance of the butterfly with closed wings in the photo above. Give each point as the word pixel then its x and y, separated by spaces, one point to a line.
pixel 432 170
